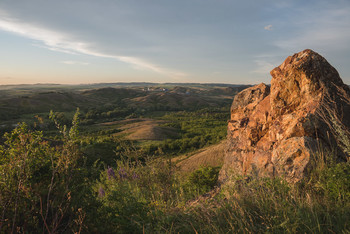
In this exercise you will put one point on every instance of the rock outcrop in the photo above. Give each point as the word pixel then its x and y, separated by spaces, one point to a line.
pixel 277 130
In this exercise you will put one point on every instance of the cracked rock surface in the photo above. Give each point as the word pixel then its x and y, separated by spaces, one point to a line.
pixel 277 130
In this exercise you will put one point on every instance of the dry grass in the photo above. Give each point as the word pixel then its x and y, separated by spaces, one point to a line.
pixel 144 129
pixel 209 156
pixel 122 122
pixel 151 132
pixel 332 112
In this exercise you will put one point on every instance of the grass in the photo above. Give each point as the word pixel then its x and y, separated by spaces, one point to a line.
pixel 209 156
pixel 171 204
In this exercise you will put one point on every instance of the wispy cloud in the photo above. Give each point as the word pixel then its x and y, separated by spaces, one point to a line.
pixel 51 39
pixel 65 43
pixel 141 64
pixel 263 67
pixel 268 27
pixel 70 62
pixel 56 49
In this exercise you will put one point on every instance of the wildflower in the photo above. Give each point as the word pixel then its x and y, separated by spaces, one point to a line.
pixel 110 173
pixel 135 176
pixel 122 173
pixel 101 192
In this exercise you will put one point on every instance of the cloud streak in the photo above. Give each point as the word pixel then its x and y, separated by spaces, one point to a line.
pixel 70 62
pixel 65 43
pixel 268 27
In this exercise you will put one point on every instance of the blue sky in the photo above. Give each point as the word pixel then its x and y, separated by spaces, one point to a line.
pixel 207 41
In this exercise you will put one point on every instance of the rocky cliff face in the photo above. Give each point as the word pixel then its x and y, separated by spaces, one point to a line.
pixel 277 130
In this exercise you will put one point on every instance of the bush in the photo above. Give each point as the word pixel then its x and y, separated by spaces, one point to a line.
pixel 131 191
pixel 204 178
pixel 334 182
pixel 42 188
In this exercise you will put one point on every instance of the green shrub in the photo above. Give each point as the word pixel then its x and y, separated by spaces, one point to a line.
pixel 334 182
pixel 42 188
pixel 204 178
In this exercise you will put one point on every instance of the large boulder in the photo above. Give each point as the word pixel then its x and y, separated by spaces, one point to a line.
pixel 279 130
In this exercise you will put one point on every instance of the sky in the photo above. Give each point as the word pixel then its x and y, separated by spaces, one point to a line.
pixel 201 41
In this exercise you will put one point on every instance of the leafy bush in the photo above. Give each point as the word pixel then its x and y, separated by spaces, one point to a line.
pixel 334 182
pixel 42 187
pixel 204 178
pixel 131 191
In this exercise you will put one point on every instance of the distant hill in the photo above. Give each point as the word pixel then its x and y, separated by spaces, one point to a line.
pixel 18 100
pixel 41 102
pixel 26 87
pixel 109 94
pixel 174 101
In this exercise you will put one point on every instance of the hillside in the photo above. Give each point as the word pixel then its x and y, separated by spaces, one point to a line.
pixel 143 129
pixel 14 107
pixel 18 102
pixel 211 156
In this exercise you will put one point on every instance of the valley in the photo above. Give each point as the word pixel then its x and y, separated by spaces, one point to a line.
pixel 156 119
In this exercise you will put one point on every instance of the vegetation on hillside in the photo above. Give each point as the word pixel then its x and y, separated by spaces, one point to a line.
pixel 51 189
pixel 59 177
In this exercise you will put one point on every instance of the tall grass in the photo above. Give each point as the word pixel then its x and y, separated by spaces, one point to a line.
pixel 158 200
pixel 332 113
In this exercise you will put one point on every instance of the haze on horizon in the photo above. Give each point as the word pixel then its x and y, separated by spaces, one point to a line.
pixel 206 41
